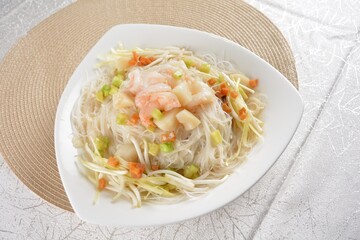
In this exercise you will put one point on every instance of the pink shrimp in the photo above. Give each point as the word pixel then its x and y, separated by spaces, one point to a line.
pixel 156 96
pixel 152 90
pixel 151 78
pixel 139 81
pixel 135 83
pixel 144 96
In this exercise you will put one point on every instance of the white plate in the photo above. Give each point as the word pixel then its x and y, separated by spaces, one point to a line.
pixel 282 116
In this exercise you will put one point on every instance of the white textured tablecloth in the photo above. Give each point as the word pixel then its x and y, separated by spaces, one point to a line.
pixel 312 192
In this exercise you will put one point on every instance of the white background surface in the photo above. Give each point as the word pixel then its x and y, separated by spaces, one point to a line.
pixel 312 192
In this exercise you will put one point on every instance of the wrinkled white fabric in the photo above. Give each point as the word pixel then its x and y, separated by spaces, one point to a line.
pixel 312 192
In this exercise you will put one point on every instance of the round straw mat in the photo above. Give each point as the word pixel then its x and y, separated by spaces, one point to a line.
pixel 36 70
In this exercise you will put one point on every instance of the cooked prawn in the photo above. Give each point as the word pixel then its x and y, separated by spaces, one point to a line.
pixel 142 80
pixel 156 96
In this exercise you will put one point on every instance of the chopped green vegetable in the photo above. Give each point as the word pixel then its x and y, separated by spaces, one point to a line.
pixel 151 128
pixel 121 118
pixel 117 81
pixel 100 96
pixel 205 68
pixel 169 187
pixel 189 63
pixel 245 132
pixel 166 147
pixel 156 114
pixel 106 90
pixel 216 138
pixel 113 90
pixel 155 189
pixel 118 72
pixel 221 78
pixel 102 144
pixel 178 74
pixel 154 149
pixel 191 171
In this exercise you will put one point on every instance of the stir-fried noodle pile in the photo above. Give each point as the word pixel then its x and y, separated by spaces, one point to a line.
pixel 163 125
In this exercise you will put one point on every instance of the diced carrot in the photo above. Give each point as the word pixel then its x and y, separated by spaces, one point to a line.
pixel 140 60
pixel 134 119
pixel 112 161
pixel 224 91
pixel 136 173
pixel 168 137
pixel 136 169
pixel 151 59
pixel 226 108
pixel 101 184
pixel 134 60
pixel 242 113
pixel 223 85
pixel 148 61
pixel 135 55
pixel 253 83
pixel 143 61
pixel 234 94
pixel 212 81
pixel 154 167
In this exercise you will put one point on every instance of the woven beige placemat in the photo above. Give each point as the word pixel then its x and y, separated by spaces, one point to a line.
pixel 35 71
